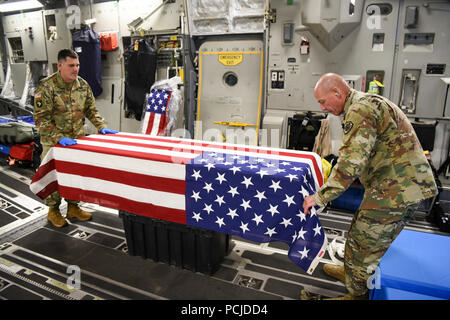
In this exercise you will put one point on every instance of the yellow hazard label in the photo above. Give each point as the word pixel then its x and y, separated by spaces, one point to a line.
pixel 230 59
pixel 181 74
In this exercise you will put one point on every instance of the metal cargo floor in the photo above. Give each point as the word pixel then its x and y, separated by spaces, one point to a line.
pixel 36 258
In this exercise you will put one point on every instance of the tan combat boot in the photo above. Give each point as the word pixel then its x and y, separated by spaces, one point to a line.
pixel 305 295
pixel 334 271
pixel 73 211
pixel 348 296
pixel 55 218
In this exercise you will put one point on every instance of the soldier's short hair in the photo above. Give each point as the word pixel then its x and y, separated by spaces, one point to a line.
pixel 64 53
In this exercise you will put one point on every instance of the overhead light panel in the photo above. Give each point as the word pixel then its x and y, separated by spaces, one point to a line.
pixel 11 6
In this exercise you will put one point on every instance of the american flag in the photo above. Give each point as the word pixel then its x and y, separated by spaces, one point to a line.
pixel 155 119
pixel 252 192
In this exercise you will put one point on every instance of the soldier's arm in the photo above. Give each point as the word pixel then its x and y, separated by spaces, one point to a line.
pixel 91 112
pixel 43 116
pixel 360 133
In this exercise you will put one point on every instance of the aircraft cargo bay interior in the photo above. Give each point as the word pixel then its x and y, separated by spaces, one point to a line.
pixel 231 150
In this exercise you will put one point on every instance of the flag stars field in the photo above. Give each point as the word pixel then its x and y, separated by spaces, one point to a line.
pixel 155 118
pixel 254 197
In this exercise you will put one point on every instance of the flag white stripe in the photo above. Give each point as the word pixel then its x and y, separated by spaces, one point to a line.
pixel 145 123
pixel 230 145
pixel 48 157
pixel 156 122
pixel 188 147
pixel 158 198
pixel 128 164
pixel 148 151
pixel 40 184
pixel 223 147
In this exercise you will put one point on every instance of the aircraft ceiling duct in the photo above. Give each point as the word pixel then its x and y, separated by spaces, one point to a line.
pixel 331 20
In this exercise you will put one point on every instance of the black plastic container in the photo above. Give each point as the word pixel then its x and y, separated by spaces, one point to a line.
pixel 195 249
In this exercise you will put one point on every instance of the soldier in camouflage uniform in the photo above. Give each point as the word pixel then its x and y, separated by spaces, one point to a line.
pixel 61 103
pixel 380 148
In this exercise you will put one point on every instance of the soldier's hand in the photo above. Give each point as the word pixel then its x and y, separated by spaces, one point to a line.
pixel 67 141
pixel 106 130
pixel 308 202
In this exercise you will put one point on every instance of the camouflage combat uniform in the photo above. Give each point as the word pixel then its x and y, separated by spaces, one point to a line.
pixel 59 111
pixel 380 148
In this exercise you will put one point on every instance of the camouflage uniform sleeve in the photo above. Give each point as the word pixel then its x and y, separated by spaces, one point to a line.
pixel 43 116
pixel 91 112
pixel 360 133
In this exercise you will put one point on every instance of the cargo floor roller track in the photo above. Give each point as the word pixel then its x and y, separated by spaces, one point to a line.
pixel 38 261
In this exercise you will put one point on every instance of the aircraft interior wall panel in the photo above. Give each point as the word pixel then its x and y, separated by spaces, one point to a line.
pixel 9 50
pixel 107 17
pixel 85 12
pixel 300 71
pixel 12 23
pixel 431 20
pixel 413 58
pixel 357 54
pixel 108 103
pixel 33 37
pixel 12 26
pixel 165 18
pixel 230 90
pixel 128 124
pixel 18 76
pixel 56 18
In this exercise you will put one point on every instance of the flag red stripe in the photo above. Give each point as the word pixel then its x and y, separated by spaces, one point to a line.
pixel 216 146
pixel 131 154
pixel 48 190
pixel 232 148
pixel 124 177
pixel 162 125
pixel 150 123
pixel 43 170
pixel 314 162
pixel 142 145
pixel 168 100
pixel 164 118
pixel 115 202
pixel 196 144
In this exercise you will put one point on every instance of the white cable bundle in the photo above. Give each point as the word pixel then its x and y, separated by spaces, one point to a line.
pixel 337 246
